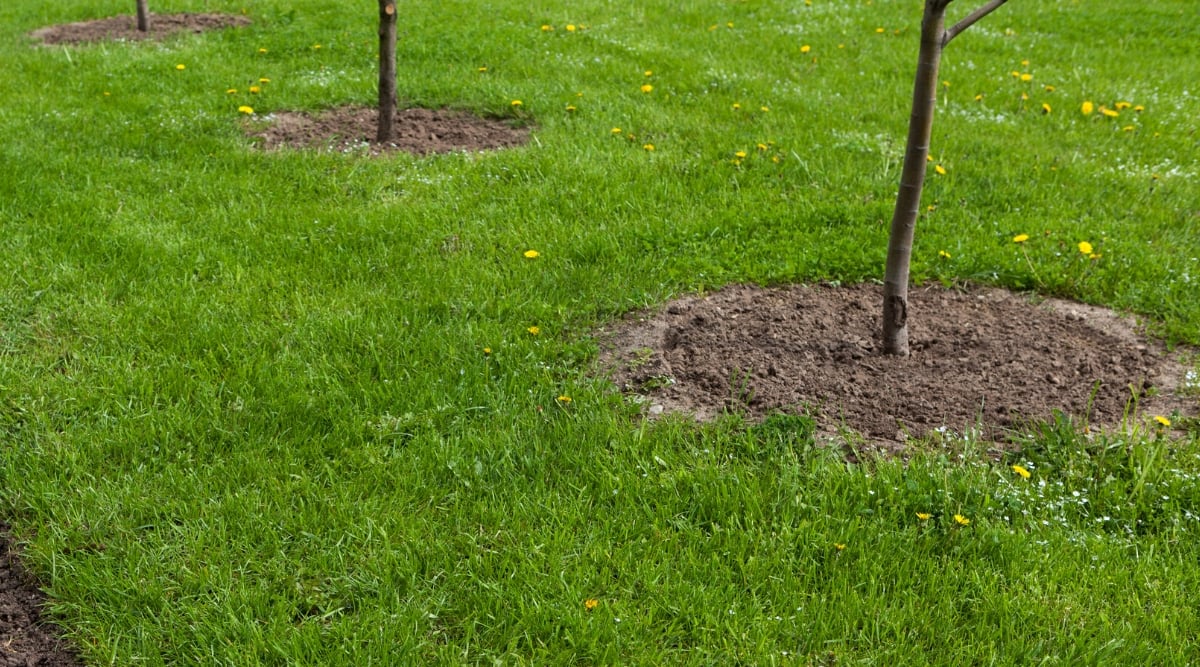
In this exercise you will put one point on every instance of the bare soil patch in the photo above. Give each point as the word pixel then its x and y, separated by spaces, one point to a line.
pixel 419 131
pixel 26 639
pixel 982 360
pixel 116 28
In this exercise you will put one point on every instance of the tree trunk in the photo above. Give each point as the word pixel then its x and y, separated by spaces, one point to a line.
pixel 912 178
pixel 143 16
pixel 387 70
pixel 934 38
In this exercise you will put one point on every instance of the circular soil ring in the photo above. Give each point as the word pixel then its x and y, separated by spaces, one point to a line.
pixel 117 28
pixel 985 361
pixel 353 129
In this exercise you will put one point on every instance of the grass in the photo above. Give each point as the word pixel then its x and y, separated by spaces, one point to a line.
pixel 247 416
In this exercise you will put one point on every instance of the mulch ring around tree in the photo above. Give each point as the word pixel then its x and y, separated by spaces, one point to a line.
pixel 983 361
pixel 115 28
pixel 25 638
pixel 352 129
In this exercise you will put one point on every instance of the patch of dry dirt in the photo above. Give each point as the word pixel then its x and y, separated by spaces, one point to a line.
pixel 983 359
pixel 419 131
pixel 125 28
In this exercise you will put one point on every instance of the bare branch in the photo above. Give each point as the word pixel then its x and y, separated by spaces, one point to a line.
pixel 970 20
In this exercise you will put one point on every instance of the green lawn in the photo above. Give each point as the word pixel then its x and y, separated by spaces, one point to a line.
pixel 247 415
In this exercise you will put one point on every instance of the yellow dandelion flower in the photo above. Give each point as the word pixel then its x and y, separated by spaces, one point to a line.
pixel 107 94
pixel 729 24
pixel 1045 108
pixel 1129 128
pixel 805 49
pixel 570 108
pixel 648 73
pixel 1139 108
pixel 879 31
pixel 1024 96
pixel 979 98
pixel 775 159
pixel 761 147
pixel 1015 74
pixel 943 254
pixel 939 169
pixel 570 27
pixel 1020 470
pixel 648 147
pixel 1087 108
pixel 181 66
pixel 264 80
pixel 564 399
pixel 1025 63
pixel 1049 89
pixel 924 516
pixel 1121 106
pixel 741 155
pixel 1095 255
pixel 764 109
pixel 532 254
pixel 534 330
pixel 254 90
pixel 590 604
pixel 1027 77
pixel 481 69
pixel 516 103
pixel 839 546
pixel 316 47
pixel 487 350
pixel 262 50
pixel 945 84
pixel 647 88
pixel 1162 420
pixel 615 130
pixel 547 28
pixel 931 208
pixel 1085 247
pixel 1109 112
pixel 736 106
pixel 961 520
pixel 231 91
pixel 245 109
pixel 1020 238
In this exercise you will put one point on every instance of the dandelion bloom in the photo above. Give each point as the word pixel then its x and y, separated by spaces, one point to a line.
pixel 939 169
pixel 761 147
pixel 879 31
pixel 264 80
pixel 1045 108
pixel 1027 78
pixel 261 50
pixel 647 88
pixel 570 107
pixel 1020 470
pixel 1128 128
pixel 255 90
pixel 181 66
pixel 805 49
pixel 547 28
pixel 245 109
pixel 1139 108
pixel 231 91
pixel 564 399
pixel 481 69
pixel 1162 420
pixel 516 103
pixel 532 254
pixel 961 520
pixel 1020 238
pixel 736 106
pixel 1087 108
pixel 615 130
pixel 1085 247
pixel 649 147
pixel 839 546
pixel 741 155
pixel 1049 89
pixel 943 254
pixel 590 604
pixel 924 516
pixel 316 46
pixel 1015 74
pixel 1109 112
pixel 979 98
pixel 534 330
pixel 570 27
pixel 487 350
pixel 1121 106
pixel 764 109
pixel 648 73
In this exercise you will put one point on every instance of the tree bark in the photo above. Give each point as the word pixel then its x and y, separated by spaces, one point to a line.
pixel 143 16
pixel 387 70
pixel 934 38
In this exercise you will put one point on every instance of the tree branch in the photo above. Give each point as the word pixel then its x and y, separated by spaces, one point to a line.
pixel 970 20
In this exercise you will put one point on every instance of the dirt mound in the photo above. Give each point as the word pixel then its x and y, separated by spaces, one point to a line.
pixel 984 360
pixel 419 131
pixel 125 28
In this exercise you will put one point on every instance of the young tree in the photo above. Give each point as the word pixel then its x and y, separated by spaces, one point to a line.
pixel 387 70
pixel 143 16
pixel 934 37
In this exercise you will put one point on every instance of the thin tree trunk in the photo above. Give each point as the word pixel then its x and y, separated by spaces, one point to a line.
pixel 143 16
pixel 934 38
pixel 387 70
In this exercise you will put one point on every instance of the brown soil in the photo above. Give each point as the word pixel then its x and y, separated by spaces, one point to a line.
pixel 983 360
pixel 125 28
pixel 420 131
pixel 25 639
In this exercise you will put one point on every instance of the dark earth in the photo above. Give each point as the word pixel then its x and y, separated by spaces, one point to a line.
pixel 116 28
pixel 419 131
pixel 983 361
